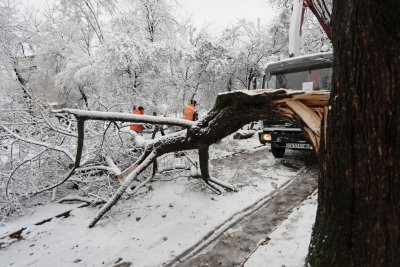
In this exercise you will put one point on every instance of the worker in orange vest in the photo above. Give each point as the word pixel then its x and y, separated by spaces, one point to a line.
pixel 189 111
pixel 134 126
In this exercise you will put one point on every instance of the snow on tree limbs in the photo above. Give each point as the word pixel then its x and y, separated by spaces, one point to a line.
pixel 231 111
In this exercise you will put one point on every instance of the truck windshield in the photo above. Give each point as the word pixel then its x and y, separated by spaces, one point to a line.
pixel 309 80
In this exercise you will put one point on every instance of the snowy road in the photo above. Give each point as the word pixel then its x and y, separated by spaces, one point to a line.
pixel 171 220
pixel 235 245
pixel 234 241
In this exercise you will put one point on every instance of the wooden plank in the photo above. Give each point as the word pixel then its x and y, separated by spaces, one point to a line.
pixel 125 173
pixel 312 96
pixel 312 138
pixel 315 102
pixel 310 118
pixel 315 98
pixel 318 111
pixel 286 111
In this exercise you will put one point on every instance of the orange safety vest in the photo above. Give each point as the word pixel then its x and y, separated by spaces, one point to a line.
pixel 137 127
pixel 188 113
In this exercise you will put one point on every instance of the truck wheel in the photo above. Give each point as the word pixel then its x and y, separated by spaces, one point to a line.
pixel 278 152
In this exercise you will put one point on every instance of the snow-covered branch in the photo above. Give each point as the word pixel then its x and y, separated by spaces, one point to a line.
pixel 56 184
pixel 56 129
pixel 112 165
pixel 34 142
pixel 125 117
pixel 97 167
pixel 80 199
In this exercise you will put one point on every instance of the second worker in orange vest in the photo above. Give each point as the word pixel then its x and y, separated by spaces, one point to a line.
pixel 134 126
pixel 189 111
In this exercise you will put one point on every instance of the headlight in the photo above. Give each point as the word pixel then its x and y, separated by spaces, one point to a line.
pixel 266 137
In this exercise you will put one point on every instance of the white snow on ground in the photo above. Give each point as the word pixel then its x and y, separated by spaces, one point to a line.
pixel 152 228
pixel 288 244
pixel 229 146
pixel 39 214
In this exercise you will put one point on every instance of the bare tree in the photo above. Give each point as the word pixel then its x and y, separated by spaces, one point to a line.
pixel 87 13
pixel 156 16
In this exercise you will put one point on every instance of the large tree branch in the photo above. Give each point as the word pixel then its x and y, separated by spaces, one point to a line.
pixel 125 117
pixel 232 110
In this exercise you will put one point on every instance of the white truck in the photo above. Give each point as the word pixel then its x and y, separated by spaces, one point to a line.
pixel 307 73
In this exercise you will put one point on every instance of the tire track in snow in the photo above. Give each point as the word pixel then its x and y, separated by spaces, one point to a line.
pixel 231 242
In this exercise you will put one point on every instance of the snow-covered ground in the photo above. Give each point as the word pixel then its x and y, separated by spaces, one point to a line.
pixel 166 218
pixel 288 244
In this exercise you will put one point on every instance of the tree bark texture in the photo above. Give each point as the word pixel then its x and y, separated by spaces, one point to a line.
pixel 358 217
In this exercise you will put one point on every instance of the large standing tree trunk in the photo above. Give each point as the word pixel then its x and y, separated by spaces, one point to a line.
pixel 358 217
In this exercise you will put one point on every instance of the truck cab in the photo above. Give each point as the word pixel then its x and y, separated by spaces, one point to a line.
pixel 305 73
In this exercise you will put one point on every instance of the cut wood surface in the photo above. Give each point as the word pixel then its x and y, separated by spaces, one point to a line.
pixel 308 116
pixel 308 109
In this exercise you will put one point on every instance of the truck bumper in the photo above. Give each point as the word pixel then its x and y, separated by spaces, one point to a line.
pixel 292 140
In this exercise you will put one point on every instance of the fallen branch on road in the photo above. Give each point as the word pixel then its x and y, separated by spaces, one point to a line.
pixel 232 110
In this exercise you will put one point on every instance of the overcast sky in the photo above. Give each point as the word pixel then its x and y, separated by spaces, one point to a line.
pixel 216 14
pixel 220 13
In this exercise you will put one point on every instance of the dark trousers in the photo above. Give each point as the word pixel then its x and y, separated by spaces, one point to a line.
pixel 156 129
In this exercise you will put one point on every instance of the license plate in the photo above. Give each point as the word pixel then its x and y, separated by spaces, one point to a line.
pixel 301 146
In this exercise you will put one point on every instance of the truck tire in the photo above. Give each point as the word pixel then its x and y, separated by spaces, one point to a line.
pixel 278 151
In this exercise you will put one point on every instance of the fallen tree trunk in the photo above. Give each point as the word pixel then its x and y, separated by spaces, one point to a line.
pixel 232 110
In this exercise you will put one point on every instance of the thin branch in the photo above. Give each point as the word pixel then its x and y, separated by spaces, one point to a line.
pixel 20 165
pixel 125 117
pixel 81 199
pixel 119 135
pixel 129 179
pixel 56 129
pixel 104 136
pixel 49 146
pixel 97 167
pixel 57 184
pixel 222 183
pixel 112 165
